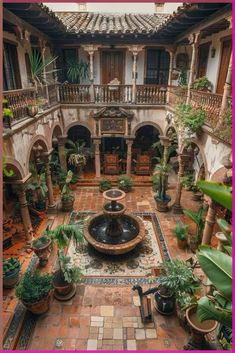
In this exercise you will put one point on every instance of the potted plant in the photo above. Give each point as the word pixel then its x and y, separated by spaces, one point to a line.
pixel 32 108
pixel 155 180
pixel 186 181
pixel 37 186
pixel 67 274
pixel 34 291
pixel 105 184
pixel 175 277
pixel 66 198
pixel 197 194
pixel 195 239
pixel 161 198
pixel 77 154
pixel 42 248
pixel 7 115
pixel 180 231
pixel 202 84
pixel 189 118
pixel 11 271
pixel 125 183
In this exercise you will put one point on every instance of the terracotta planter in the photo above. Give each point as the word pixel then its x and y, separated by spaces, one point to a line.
pixel 43 253
pixel 198 329
pixel 182 244
pixel 68 204
pixel 12 279
pixel 62 290
pixel 32 110
pixel 164 303
pixel 40 307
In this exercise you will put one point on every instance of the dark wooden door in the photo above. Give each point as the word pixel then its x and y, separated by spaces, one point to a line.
pixel 112 66
pixel 203 53
pixel 224 63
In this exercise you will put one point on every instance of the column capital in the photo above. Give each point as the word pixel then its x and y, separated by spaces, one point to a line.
pixel 62 139
pixel 194 37
pixel 90 48
pixel 96 140
pixel 135 49
pixel 170 49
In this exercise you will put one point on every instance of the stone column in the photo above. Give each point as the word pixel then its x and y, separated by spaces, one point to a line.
pixel 129 157
pixel 177 208
pixel 193 39
pixel 209 224
pixel 227 92
pixel 171 52
pixel 20 190
pixel 97 157
pixel 46 158
pixel 61 152
pixel 90 49
pixel 134 49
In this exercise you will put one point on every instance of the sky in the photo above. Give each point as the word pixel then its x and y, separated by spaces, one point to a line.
pixel 113 7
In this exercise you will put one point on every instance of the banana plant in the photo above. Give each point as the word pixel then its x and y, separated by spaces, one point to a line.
pixel 219 193
pixel 198 220
pixel 218 268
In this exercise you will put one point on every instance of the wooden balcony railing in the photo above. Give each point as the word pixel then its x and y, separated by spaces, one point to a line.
pixel 73 93
pixel 18 101
pixel 113 93
pixel 209 102
pixel 177 95
pixel 151 94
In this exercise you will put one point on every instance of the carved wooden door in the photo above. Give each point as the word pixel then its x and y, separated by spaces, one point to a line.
pixel 224 63
pixel 112 66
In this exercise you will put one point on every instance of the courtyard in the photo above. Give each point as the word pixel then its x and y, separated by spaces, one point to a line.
pixel 117 175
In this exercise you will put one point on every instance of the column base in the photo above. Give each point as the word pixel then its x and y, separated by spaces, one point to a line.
pixel 177 209
pixel 52 208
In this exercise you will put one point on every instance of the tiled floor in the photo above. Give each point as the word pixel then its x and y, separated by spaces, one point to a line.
pixel 100 317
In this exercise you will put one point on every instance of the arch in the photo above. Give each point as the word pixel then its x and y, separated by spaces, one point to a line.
pixel 19 172
pixel 56 130
pixel 43 143
pixel 77 123
pixel 218 175
pixel 147 123
pixel 201 149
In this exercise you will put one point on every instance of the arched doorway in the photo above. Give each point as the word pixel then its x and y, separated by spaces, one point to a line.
pixel 145 137
pixel 79 142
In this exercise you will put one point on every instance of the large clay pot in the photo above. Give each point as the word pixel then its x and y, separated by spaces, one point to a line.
pixel 67 205
pixel 62 289
pixel 162 205
pixel 43 253
pixel 199 330
pixel 164 303
pixel 182 244
pixel 40 307
pixel 12 279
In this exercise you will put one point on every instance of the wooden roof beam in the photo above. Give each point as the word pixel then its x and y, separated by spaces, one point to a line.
pixel 9 17
pixel 207 22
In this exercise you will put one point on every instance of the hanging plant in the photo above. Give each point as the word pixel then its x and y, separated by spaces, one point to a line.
pixel 189 118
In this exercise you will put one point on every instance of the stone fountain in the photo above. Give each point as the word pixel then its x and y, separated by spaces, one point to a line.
pixel 113 231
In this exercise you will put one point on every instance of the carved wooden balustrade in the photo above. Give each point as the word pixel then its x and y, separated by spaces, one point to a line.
pixel 209 102
pixel 18 101
pixel 151 94
pixel 113 93
pixel 52 93
pixel 74 93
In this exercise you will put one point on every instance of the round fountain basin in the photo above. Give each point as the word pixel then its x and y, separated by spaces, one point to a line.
pixel 95 233
pixel 114 210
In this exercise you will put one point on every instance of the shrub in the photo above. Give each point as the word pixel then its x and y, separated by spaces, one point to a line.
pixel 125 183
pixel 189 117
pixel 105 184
pixel 202 83
pixel 10 265
pixel 180 231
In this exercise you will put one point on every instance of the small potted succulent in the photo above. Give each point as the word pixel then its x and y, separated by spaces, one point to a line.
pixel 202 84
pixel 11 271
pixel 125 183
pixel 42 248
pixel 65 278
pixel 180 231
pixel 34 291
pixel 66 198
pixel 105 184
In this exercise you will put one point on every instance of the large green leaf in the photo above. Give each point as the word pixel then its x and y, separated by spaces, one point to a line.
pixel 207 310
pixel 218 268
pixel 226 229
pixel 193 216
pixel 218 192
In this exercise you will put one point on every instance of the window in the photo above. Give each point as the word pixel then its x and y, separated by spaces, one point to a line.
pixel 11 72
pixel 69 55
pixel 157 69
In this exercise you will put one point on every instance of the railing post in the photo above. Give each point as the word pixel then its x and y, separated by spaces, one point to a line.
pixel 134 49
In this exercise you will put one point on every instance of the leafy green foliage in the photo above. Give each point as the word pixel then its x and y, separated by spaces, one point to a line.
pixel 189 117
pixel 202 83
pixel 34 287
pixel 156 181
pixel 177 277
pixel 198 220
pixel 65 232
pixel 125 183
pixel 224 131
pixel 6 172
pixel 159 149
pixel 187 180
pixel 220 193
pixel 77 71
pixel 182 80
pixel 71 274
pixel 105 184
pixel 10 265
pixel 180 231
pixel 65 192
pixel 37 183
